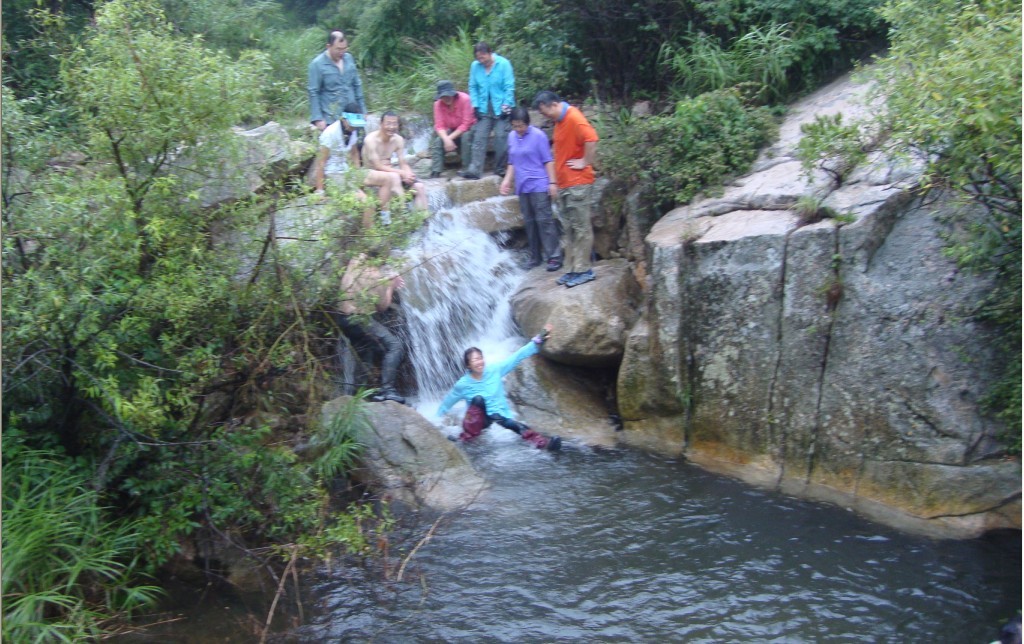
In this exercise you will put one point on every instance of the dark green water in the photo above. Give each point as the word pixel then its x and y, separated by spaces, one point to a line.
pixel 618 546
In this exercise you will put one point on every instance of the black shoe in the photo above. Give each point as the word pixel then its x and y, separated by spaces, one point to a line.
pixel 553 265
pixel 565 278
pixel 581 278
pixel 468 175
pixel 434 175
pixel 388 393
pixel 554 444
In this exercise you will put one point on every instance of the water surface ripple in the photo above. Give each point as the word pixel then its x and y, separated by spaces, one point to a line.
pixel 620 546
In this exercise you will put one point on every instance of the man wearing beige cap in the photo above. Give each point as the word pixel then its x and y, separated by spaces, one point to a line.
pixel 453 119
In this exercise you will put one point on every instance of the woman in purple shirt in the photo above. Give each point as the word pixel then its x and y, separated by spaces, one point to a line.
pixel 532 167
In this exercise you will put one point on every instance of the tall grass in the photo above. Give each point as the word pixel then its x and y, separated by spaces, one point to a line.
pixel 413 88
pixel 67 570
pixel 763 55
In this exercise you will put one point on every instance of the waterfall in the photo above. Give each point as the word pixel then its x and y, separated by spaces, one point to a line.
pixel 458 285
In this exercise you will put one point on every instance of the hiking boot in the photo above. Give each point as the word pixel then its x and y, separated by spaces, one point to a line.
pixel 466 174
pixel 553 265
pixel 389 393
pixel 554 444
pixel 581 278
pixel 565 278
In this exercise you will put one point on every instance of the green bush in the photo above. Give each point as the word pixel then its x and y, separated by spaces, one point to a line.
pixel 704 140
pixel 952 85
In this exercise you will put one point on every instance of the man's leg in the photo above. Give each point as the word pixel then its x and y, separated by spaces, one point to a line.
pixel 465 143
pixel 393 354
pixel 481 136
pixel 579 233
pixel 501 130
pixel 436 154
pixel 387 184
pixel 419 196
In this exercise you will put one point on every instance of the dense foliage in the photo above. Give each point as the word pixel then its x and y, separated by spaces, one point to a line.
pixel 141 350
pixel 953 85
pixel 703 140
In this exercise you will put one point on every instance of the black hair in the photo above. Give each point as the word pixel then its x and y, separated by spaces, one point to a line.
pixel 520 114
pixel 470 351
pixel 334 35
pixel 481 48
pixel 545 97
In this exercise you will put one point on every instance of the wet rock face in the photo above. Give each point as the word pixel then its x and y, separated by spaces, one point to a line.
pixel 591 321
pixel 406 459
pixel 835 360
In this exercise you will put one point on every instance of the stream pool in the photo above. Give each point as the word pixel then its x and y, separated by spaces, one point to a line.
pixel 620 546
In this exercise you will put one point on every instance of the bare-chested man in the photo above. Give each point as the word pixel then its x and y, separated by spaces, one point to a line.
pixel 389 180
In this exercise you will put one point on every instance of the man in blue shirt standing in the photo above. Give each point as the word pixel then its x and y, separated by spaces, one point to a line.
pixel 333 82
pixel 492 89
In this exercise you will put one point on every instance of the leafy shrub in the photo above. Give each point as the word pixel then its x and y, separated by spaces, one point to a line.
pixel 702 141
pixel 829 145
pixel 952 82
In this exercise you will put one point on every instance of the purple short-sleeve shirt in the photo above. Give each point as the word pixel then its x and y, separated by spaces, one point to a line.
pixel 528 154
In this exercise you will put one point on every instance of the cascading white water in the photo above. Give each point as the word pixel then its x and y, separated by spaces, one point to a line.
pixel 458 285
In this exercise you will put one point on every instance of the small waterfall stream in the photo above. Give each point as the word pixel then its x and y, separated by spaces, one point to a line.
pixel 458 285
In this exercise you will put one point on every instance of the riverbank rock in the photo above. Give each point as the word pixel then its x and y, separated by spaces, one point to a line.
pixel 260 155
pixel 591 321
pixel 408 460
pixel 566 401
pixel 835 360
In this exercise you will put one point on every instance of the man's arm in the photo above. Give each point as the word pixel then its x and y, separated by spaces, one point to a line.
pixel 475 89
pixel 467 118
pixel 589 152
pixel 508 93
pixel 316 114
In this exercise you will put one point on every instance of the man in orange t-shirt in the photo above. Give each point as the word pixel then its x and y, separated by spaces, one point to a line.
pixel 575 142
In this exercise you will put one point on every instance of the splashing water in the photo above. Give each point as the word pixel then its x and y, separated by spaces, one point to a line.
pixel 457 295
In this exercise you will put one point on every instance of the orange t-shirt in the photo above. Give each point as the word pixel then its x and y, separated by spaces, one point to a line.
pixel 569 136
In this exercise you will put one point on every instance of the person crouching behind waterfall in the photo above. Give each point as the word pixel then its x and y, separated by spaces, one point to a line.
pixel 484 392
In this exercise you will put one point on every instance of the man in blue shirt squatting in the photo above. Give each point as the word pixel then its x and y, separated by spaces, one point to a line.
pixel 492 90
pixel 333 82
pixel 484 392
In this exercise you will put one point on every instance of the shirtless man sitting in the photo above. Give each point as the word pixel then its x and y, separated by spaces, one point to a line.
pixel 389 180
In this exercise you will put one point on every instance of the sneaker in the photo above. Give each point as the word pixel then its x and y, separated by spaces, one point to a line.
pixel 530 265
pixel 434 175
pixel 581 278
pixel 554 444
pixel 465 174
pixel 388 393
pixel 565 278
pixel 554 265
pixel 385 217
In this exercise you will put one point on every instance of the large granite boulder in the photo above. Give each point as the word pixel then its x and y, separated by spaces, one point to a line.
pixel 567 401
pixel 591 321
pixel 407 459
pixel 835 360
pixel 257 157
